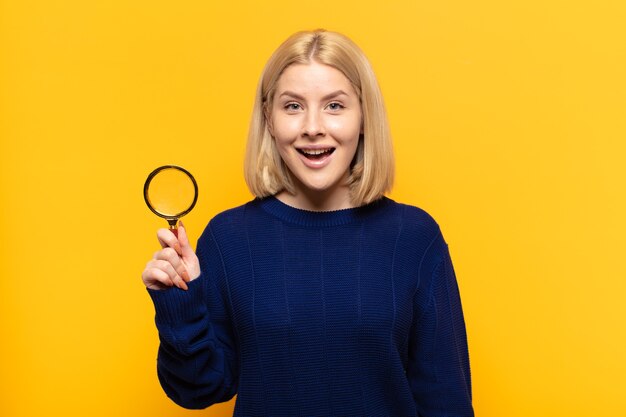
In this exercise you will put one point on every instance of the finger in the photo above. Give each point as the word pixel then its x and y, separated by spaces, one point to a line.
pixel 174 262
pixel 160 267
pixel 167 239
pixel 181 284
pixel 155 278
pixel 166 267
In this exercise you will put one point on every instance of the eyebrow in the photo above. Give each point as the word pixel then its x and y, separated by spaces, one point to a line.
pixel 326 97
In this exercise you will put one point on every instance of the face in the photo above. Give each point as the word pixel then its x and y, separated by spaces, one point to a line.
pixel 316 121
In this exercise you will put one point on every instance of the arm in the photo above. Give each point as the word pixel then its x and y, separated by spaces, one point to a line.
pixel 197 360
pixel 439 371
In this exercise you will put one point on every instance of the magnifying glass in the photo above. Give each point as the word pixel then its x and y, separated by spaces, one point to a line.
pixel 170 192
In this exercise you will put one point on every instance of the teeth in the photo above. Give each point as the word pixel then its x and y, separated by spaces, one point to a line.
pixel 315 151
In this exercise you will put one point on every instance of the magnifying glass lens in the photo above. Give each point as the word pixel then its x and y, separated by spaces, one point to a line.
pixel 171 192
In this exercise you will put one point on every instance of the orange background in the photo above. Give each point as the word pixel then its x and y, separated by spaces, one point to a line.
pixel 509 121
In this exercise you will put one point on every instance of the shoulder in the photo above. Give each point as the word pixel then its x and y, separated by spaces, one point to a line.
pixel 229 224
pixel 227 218
pixel 415 220
pixel 421 231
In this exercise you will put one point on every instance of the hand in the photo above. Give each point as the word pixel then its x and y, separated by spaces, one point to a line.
pixel 175 264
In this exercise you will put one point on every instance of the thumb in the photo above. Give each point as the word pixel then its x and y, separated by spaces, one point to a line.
pixel 185 247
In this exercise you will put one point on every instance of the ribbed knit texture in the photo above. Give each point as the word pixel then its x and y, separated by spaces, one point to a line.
pixel 346 313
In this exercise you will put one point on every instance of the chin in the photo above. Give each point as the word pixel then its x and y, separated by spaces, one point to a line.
pixel 322 186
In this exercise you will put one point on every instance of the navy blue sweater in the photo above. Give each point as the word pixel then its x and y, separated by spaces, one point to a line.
pixel 346 313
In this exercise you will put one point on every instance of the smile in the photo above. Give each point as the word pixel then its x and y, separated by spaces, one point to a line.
pixel 316 154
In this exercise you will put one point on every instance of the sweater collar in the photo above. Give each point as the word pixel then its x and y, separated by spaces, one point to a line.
pixel 290 214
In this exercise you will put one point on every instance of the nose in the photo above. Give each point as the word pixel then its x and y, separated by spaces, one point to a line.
pixel 313 125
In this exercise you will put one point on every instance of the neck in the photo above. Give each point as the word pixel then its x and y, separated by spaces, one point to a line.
pixel 317 201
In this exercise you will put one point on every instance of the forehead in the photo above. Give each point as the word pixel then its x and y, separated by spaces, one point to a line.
pixel 313 78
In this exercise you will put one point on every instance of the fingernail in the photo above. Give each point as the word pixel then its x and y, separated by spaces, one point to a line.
pixel 180 223
pixel 184 286
pixel 185 276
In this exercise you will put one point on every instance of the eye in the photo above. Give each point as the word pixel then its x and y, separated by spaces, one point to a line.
pixel 335 106
pixel 292 106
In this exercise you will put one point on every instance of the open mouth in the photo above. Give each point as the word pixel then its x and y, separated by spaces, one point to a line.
pixel 316 154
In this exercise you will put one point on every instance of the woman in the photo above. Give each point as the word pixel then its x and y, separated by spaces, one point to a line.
pixel 321 297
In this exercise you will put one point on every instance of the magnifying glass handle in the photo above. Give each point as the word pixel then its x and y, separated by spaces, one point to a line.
pixel 173 226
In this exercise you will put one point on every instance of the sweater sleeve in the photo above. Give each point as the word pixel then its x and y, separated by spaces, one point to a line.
pixel 439 370
pixel 197 359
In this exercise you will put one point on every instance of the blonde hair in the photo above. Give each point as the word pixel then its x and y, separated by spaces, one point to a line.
pixel 372 170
